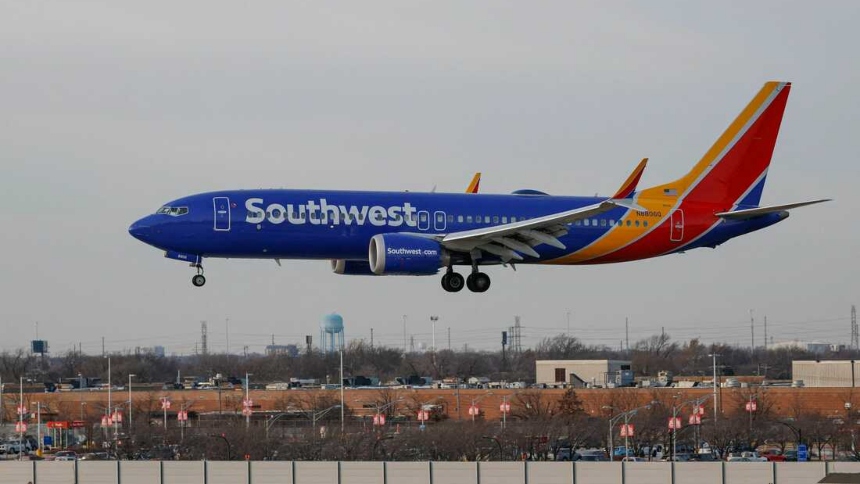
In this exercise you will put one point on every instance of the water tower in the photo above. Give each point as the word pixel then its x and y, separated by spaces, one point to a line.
pixel 331 333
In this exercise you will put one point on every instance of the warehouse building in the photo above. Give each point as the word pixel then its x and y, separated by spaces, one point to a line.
pixel 584 373
pixel 832 373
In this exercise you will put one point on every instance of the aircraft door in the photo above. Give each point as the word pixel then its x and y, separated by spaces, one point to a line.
pixel 423 220
pixel 676 226
pixel 439 222
pixel 222 213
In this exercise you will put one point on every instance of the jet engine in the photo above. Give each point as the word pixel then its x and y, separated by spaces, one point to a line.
pixel 405 254
pixel 351 267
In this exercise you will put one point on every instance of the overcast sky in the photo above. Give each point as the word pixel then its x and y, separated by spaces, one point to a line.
pixel 110 109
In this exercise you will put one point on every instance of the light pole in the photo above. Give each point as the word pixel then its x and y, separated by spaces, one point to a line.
pixel 247 399
pixel 342 406
pixel 675 409
pixel 473 410
pixel 715 355
pixel 129 402
pixel 21 409
pixel 377 420
pixel 433 320
pixel 110 403
pixel 38 428
pixel 626 416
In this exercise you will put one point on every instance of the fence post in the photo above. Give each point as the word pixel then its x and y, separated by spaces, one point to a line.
pixel 526 472
pixel 573 470
pixel 118 473
pixel 161 471
pixel 385 473
pixel 430 469
pixel 723 471
pixel 672 471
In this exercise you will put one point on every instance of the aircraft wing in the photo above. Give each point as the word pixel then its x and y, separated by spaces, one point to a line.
pixel 474 184
pixel 759 211
pixel 509 240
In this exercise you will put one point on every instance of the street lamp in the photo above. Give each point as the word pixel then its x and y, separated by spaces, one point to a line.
pixel 129 402
pixel 473 409
pixel 626 416
pixel 247 400
pixel 675 409
pixel 714 355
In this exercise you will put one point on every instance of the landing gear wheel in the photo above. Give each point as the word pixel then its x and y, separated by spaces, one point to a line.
pixel 198 280
pixel 452 282
pixel 478 282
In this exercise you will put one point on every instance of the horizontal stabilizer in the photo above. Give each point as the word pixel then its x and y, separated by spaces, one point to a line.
pixel 629 186
pixel 759 211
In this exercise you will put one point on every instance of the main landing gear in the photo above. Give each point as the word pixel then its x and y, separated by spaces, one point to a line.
pixel 476 282
pixel 198 280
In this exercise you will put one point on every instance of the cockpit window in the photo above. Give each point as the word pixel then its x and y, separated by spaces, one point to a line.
pixel 172 211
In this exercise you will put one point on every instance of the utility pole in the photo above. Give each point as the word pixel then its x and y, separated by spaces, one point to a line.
pixel 568 323
pixel 449 338
pixel 627 333
pixel 765 333
pixel 855 334
pixel 227 333
pixel 404 333
pixel 371 338
pixel 752 331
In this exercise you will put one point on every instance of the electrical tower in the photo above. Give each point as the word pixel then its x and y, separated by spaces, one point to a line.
pixel 204 345
pixel 855 334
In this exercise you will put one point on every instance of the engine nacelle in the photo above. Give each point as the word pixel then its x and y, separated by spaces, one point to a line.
pixel 404 254
pixel 351 267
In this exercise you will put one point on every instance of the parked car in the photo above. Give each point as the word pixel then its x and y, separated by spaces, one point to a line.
pixel 790 455
pixel 66 455
pixel 590 456
pixel 564 454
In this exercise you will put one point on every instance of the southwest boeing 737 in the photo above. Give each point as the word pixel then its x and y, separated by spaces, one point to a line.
pixel 417 234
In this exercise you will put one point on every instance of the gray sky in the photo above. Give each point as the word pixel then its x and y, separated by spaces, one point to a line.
pixel 109 109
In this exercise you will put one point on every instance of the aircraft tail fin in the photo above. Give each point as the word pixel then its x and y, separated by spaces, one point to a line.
pixel 733 170
pixel 629 186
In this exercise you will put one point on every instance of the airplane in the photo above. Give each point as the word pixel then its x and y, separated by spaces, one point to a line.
pixel 419 234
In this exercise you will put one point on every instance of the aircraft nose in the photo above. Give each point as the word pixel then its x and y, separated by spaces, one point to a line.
pixel 141 229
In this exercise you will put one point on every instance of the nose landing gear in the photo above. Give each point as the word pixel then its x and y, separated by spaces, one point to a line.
pixel 198 280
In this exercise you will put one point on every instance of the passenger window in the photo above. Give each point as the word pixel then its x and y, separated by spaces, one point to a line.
pixel 460 218
pixel 504 220
pixel 486 219
pixel 468 219
pixel 603 222
pixel 313 216
pixel 513 219
pixel 495 219
pixel 585 222
pixel 628 223
pixel 450 218
pixel 645 223
pixel 612 223
pixel 440 218
pixel 637 223
pixel 421 216
pixel 577 222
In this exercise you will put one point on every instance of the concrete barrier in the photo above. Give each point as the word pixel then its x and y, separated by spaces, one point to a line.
pixel 240 472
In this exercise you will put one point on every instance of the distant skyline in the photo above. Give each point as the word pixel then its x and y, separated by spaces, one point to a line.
pixel 111 110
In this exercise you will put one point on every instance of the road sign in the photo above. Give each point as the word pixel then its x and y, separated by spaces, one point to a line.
pixel 20 427
pixel 474 410
pixel 699 410
pixel 379 419
pixel 182 415
pixel 751 406
pixel 695 419
pixel 505 407
pixel 674 423
pixel 802 453
pixel 423 416
pixel 247 412
pixel 165 403
pixel 247 402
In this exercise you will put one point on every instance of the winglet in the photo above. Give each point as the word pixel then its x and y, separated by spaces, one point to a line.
pixel 473 185
pixel 629 186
